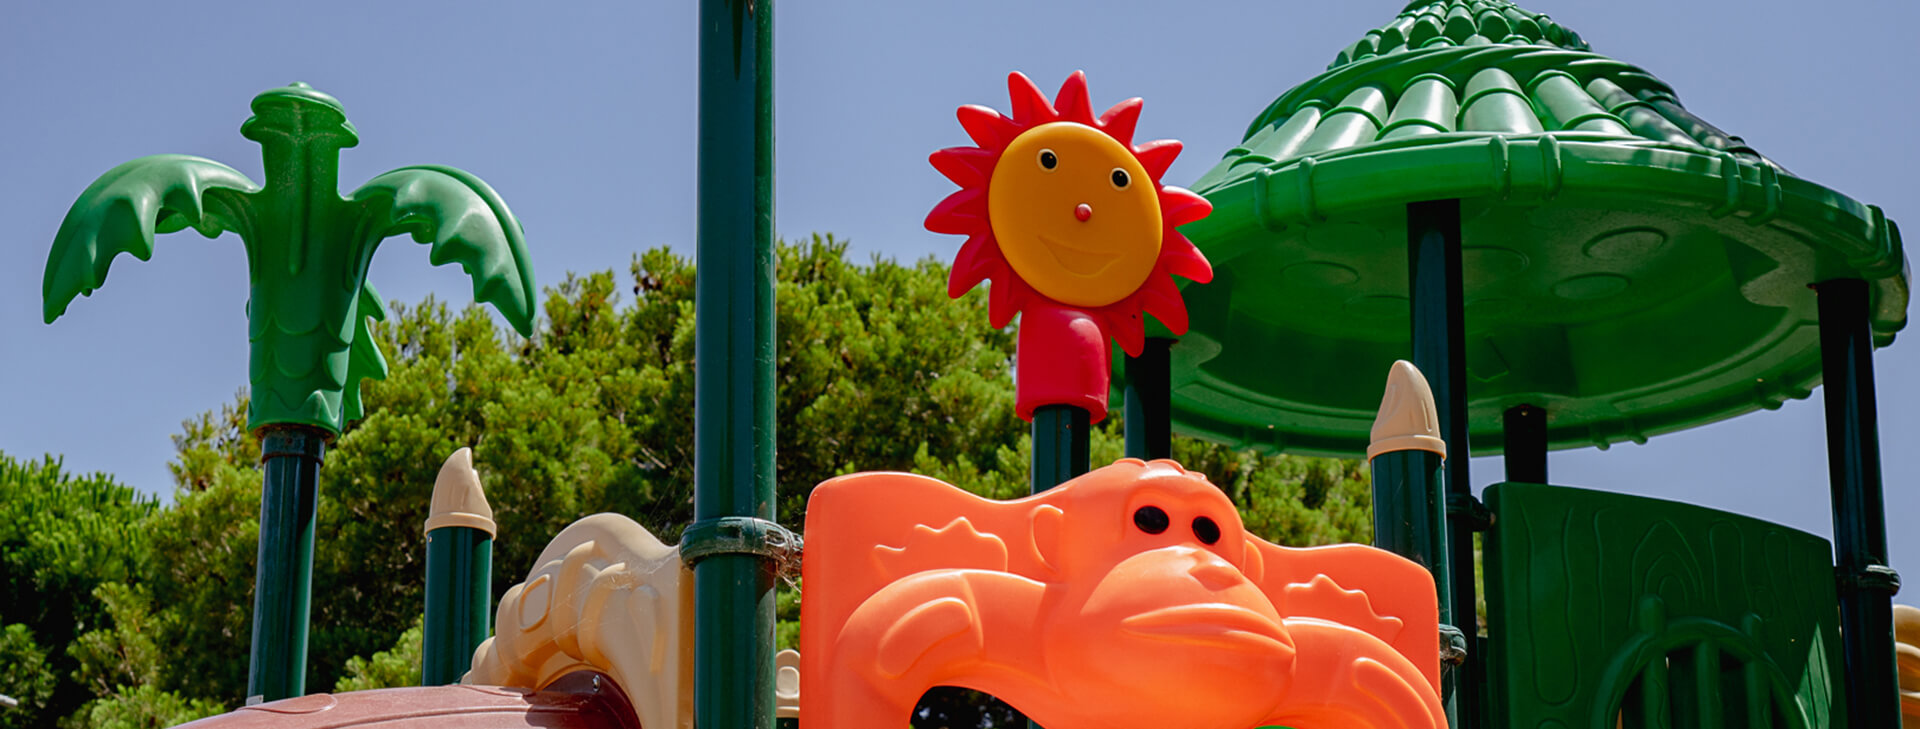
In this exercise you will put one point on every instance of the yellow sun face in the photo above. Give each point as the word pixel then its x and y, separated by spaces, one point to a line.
pixel 1076 214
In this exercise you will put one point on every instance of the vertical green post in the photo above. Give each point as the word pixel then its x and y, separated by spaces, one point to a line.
pixel 1060 445
pixel 283 576
pixel 734 361
pixel 1407 457
pixel 1524 431
pixel 459 578
pixel 1061 451
pixel 1439 351
pixel 460 531
pixel 1859 514
pixel 1149 403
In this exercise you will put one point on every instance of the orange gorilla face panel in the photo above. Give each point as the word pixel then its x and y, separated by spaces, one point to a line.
pixel 1131 596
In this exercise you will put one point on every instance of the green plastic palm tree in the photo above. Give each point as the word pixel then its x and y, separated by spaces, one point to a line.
pixel 308 250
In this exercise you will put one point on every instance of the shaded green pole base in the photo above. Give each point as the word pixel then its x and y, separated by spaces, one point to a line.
pixel 283 577
pixel 1061 448
pixel 459 602
pixel 1439 351
pixel 1524 428
pixel 1409 519
pixel 1149 403
pixel 1866 584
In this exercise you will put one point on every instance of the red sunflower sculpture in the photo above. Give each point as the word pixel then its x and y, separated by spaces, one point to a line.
pixel 1066 218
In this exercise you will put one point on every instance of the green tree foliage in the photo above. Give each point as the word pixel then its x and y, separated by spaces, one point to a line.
pixel 62 536
pixel 27 678
pixel 877 369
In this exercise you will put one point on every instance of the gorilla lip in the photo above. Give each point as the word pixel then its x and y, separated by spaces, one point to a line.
pixel 1205 621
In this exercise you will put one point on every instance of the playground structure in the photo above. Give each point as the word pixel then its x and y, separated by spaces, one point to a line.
pixel 1567 223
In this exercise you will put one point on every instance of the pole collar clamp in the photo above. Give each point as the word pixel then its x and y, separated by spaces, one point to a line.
pixel 294 441
pixel 1453 645
pixel 1468 512
pixel 1870 578
pixel 743 535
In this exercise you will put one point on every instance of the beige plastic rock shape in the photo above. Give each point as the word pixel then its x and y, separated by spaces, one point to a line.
pixel 786 685
pixel 1408 420
pixel 1906 636
pixel 606 596
pixel 458 499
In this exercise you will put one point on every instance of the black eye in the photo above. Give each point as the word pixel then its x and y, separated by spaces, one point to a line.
pixel 1206 530
pixel 1150 519
pixel 1120 179
pixel 1048 160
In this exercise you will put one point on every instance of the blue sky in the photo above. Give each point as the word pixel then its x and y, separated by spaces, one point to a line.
pixel 582 115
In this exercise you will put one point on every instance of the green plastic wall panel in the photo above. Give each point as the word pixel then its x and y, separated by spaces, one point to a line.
pixel 1611 610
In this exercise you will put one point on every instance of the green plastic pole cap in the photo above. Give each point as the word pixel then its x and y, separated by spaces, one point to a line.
pixel 296 111
pixel 1629 267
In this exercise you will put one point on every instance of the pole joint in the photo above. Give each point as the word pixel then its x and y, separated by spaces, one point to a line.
pixel 1453 646
pixel 1466 511
pixel 1870 578
pixel 743 535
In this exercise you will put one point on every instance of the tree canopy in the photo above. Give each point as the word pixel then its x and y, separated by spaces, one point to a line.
pixel 137 613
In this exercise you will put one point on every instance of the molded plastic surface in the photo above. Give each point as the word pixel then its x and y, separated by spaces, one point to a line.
pixel 580 702
pixel 1067 219
pixel 1906 634
pixel 1628 266
pixel 1408 419
pixel 1676 614
pixel 308 248
pixel 606 597
pixel 458 499
pixel 1131 596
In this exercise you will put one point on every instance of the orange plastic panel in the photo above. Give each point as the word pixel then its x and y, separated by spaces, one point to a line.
pixel 1131 596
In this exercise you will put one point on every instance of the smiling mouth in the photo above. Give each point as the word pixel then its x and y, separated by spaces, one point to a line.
pixel 1078 261
pixel 1207 623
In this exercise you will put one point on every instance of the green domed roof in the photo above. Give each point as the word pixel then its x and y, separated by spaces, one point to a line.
pixel 1629 266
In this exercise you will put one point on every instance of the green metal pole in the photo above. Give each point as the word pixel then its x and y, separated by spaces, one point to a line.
pixel 1866 584
pixel 733 661
pixel 459 598
pixel 1524 431
pixel 1149 414
pixel 1060 445
pixel 1060 451
pixel 1407 457
pixel 1439 352
pixel 283 577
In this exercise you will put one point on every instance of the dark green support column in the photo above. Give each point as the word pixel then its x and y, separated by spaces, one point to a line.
pixel 460 531
pixel 1439 352
pixel 1866 584
pixel 1060 445
pixel 1525 450
pixel 734 362
pixel 459 580
pixel 1149 414
pixel 1407 458
pixel 283 577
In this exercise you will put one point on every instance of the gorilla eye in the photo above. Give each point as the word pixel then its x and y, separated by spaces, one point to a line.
pixel 1120 179
pixel 1048 160
pixel 1206 530
pixel 1150 519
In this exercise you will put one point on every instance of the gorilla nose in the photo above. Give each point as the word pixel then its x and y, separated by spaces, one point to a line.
pixel 1215 573
pixel 1082 212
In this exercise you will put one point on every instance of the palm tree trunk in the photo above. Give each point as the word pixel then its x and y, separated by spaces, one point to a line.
pixel 283 580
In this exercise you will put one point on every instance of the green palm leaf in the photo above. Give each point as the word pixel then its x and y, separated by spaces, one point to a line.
pixel 465 221
pixel 366 362
pixel 121 212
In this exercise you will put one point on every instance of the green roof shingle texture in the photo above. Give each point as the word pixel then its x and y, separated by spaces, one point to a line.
pixel 1630 267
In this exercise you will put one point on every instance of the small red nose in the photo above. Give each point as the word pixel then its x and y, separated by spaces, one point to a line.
pixel 1082 212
